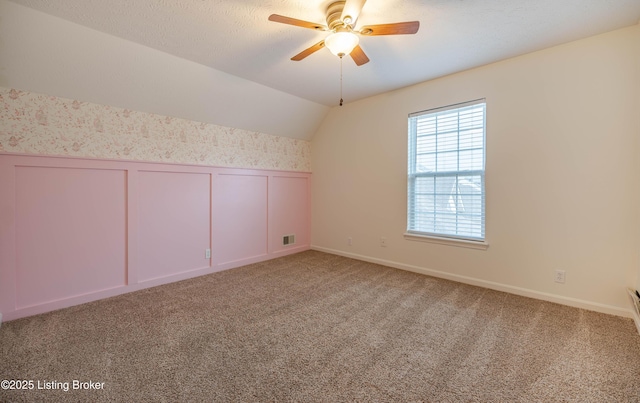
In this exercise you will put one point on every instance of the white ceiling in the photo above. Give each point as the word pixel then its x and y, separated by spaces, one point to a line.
pixel 234 36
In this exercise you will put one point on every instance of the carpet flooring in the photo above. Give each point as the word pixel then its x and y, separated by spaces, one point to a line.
pixel 315 327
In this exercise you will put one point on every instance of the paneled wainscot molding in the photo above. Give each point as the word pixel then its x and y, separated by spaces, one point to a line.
pixel 74 230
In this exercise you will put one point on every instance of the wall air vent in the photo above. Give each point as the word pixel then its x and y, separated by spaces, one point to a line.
pixel 288 239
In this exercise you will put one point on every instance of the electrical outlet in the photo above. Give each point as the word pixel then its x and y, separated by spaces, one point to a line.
pixel 560 276
pixel 383 242
pixel 349 241
pixel 207 254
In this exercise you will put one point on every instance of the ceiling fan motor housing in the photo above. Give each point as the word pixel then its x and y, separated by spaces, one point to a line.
pixel 334 12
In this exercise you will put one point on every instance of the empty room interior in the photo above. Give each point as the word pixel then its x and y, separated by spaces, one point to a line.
pixel 426 200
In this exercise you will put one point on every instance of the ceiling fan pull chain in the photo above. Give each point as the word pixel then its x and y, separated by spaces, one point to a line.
pixel 341 81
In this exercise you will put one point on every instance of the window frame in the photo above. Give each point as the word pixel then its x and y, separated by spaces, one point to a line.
pixel 412 174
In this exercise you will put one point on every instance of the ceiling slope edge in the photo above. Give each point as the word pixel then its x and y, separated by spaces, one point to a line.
pixel 45 54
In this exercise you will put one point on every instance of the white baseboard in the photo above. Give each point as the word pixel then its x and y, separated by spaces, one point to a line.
pixel 0 320
pixel 634 309
pixel 636 318
pixel 558 299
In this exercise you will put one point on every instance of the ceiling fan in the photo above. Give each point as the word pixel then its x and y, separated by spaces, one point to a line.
pixel 343 40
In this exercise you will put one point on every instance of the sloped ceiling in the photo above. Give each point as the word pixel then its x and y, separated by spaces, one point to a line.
pixel 235 36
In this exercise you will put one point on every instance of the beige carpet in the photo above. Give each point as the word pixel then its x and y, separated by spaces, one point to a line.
pixel 323 328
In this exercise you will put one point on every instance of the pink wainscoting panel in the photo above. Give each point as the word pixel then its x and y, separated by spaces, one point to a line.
pixel 70 232
pixel 74 230
pixel 239 208
pixel 7 237
pixel 173 223
pixel 289 212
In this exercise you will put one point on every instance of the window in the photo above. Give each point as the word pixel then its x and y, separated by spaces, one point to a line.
pixel 446 172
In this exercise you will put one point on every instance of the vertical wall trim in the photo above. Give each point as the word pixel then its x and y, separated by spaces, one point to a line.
pixel 212 257
pixel 132 226
pixel 269 245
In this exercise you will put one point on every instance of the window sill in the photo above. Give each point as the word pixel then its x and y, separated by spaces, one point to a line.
pixel 462 243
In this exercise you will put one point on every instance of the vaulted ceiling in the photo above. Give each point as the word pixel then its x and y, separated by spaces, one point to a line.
pixel 234 36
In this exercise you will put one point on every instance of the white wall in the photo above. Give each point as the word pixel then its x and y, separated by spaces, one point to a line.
pixel 638 116
pixel 48 55
pixel 562 174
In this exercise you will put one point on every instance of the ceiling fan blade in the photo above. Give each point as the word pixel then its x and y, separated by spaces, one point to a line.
pixel 298 23
pixel 352 9
pixel 358 56
pixel 308 51
pixel 398 28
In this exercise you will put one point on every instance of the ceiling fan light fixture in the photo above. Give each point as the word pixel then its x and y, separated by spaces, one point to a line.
pixel 341 43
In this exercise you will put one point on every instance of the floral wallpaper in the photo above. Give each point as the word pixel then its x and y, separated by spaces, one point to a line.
pixel 40 124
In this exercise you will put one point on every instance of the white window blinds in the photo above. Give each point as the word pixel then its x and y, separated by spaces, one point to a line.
pixel 446 171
